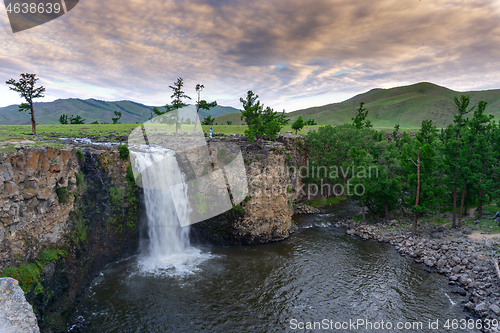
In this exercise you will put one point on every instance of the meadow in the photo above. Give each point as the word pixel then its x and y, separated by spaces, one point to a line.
pixel 109 132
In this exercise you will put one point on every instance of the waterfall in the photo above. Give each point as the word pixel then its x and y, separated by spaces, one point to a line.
pixel 168 249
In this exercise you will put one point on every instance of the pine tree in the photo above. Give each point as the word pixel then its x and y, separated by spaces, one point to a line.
pixel 453 145
pixel 298 124
pixel 26 89
pixel 202 104
pixel 261 122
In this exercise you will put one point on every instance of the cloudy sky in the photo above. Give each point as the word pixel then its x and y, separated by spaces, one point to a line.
pixel 292 53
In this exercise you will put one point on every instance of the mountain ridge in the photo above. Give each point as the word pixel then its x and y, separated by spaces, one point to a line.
pixel 404 105
pixel 90 109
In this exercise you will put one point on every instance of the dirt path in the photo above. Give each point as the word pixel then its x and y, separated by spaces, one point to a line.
pixel 470 212
pixel 476 235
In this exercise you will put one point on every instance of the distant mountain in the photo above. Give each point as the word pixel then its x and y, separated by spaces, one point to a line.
pixel 406 105
pixel 90 110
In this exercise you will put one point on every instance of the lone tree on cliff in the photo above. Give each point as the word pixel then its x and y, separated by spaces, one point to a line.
pixel 261 122
pixel 202 104
pixel 177 102
pixel 26 88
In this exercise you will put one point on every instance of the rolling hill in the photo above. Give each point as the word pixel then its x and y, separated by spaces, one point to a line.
pixel 90 110
pixel 407 106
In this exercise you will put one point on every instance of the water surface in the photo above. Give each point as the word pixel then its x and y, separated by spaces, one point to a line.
pixel 318 273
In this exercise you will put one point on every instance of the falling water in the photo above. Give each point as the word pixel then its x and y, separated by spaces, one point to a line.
pixel 168 249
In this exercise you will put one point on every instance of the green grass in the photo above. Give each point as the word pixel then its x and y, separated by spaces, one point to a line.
pixel 109 132
pixel 23 132
pixel 11 134
pixel 322 202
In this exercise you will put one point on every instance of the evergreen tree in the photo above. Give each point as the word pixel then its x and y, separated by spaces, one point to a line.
pixel 26 89
pixel 208 120
pixel 261 122
pixel 359 120
pixel 63 119
pixel 383 183
pixel 298 124
pixel 452 148
pixel 76 120
pixel 419 167
pixel 476 170
pixel 202 104
pixel 177 102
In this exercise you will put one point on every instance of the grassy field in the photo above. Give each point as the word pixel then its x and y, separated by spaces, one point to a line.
pixel 107 132
pixel 23 132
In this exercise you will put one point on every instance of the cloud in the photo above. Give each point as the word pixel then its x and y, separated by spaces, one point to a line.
pixel 134 49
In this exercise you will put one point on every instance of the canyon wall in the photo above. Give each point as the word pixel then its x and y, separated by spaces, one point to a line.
pixel 65 214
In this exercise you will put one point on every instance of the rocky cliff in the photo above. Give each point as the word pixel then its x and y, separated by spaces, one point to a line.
pixel 65 213
pixel 16 314
pixel 32 216
pixel 274 185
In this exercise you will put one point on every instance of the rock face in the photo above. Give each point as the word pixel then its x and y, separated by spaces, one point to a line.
pixel 16 314
pixel 65 214
pixel 273 185
pixel 30 211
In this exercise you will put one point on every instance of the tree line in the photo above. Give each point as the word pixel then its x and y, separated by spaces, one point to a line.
pixel 453 167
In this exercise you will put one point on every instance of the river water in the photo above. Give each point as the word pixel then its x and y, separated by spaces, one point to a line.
pixel 319 273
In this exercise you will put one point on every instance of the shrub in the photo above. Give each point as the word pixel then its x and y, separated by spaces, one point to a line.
pixel 79 155
pixel 124 152
pixel 79 178
pixel 28 275
pixel 63 195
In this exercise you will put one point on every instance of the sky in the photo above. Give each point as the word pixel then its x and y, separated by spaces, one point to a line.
pixel 293 53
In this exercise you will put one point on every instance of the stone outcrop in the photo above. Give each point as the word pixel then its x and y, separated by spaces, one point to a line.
pixel 302 209
pixel 30 213
pixel 16 314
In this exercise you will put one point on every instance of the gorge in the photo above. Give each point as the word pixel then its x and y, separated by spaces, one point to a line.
pixel 75 216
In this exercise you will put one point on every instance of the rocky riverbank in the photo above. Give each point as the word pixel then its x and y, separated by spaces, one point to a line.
pixel 302 209
pixel 465 262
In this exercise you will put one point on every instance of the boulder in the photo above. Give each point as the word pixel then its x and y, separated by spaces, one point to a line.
pixel 495 309
pixel 16 313
pixel 481 307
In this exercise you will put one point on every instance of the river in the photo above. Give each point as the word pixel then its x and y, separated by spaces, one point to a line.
pixel 319 274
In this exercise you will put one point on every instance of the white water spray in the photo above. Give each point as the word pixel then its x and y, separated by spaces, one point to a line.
pixel 168 250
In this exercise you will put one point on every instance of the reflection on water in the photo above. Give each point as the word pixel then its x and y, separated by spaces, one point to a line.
pixel 318 273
